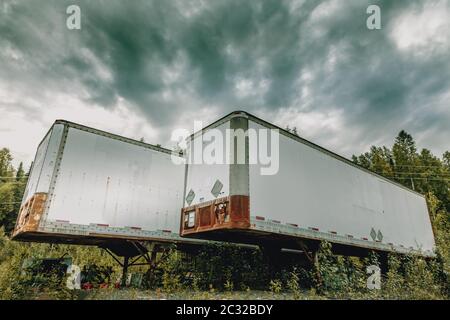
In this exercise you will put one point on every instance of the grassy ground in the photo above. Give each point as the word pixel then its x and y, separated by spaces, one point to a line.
pixel 185 295
pixel 137 294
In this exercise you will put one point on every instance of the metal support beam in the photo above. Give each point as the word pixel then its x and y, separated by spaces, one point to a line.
pixel 149 253
pixel 113 256
pixel 306 251
pixel 124 272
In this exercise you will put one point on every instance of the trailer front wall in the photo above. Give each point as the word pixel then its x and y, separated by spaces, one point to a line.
pixel 36 191
pixel 44 163
pixel 201 177
pixel 319 192
pixel 216 194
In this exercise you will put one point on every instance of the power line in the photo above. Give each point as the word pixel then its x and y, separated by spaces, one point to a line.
pixel 8 177
pixel 417 166
pixel 15 182
pixel 414 173
pixel 413 166
pixel 416 178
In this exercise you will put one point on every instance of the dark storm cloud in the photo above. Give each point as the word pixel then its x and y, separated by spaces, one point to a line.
pixel 275 49
pixel 141 40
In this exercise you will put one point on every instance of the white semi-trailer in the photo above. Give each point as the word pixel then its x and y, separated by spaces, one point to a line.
pixel 91 187
pixel 313 195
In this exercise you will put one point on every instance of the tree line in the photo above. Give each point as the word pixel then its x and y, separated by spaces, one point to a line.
pixel 12 187
pixel 421 171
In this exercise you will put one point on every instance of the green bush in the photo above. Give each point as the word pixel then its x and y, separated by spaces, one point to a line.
pixel 294 285
pixel 35 280
pixel 275 286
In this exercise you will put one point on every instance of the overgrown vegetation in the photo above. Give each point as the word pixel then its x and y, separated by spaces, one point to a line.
pixel 224 269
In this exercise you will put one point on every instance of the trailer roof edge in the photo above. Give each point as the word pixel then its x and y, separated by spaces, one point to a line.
pixel 112 135
pixel 250 116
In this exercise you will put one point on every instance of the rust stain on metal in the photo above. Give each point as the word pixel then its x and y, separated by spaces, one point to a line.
pixel 30 214
pixel 230 212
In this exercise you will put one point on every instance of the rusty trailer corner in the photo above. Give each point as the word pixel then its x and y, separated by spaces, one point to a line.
pixel 230 212
pixel 30 214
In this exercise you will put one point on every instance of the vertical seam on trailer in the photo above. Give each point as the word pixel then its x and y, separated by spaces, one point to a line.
pixel 246 156
pixel 45 157
pixel 247 164
pixel 28 180
pixel 54 175
pixel 186 168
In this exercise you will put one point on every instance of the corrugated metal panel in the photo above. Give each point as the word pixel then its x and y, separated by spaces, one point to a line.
pixel 44 163
pixel 106 181
pixel 320 195
pixel 202 177
pixel 318 192
pixel 36 168
pixel 106 186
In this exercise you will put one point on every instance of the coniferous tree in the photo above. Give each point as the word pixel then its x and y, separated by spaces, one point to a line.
pixel 6 169
pixel 19 189
pixel 12 187
pixel 405 158
pixel 6 188
pixel 446 159
pixel 20 173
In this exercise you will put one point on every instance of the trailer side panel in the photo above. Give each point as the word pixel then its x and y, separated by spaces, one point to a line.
pixel 318 192
pixel 92 185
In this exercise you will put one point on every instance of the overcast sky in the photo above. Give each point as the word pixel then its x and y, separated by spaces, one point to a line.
pixel 144 68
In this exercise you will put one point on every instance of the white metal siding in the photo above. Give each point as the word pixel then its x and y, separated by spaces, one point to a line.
pixel 102 180
pixel 44 163
pixel 201 177
pixel 315 190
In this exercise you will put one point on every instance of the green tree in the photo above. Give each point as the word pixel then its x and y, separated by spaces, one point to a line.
pixel 6 186
pixel 7 206
pixel 405 158
pixel 20 173
pixel 19 189
pixel 422 171
pixel 12 188
pixel 6 168
pixel 446 159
